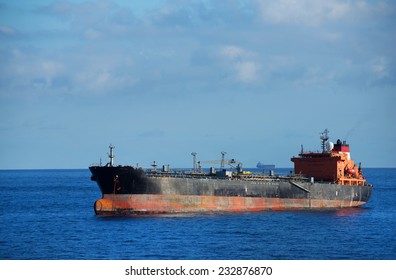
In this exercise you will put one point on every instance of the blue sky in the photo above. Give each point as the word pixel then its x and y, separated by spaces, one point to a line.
pixel 161 79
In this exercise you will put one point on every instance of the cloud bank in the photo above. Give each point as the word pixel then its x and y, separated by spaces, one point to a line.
pixel 105 46
pixel 196 62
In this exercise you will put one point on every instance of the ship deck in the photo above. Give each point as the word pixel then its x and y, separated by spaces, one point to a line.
pixel 245 177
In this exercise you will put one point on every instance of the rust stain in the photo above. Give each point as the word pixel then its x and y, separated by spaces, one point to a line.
pixel 169 203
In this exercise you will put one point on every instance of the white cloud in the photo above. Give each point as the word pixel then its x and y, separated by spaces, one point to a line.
pixel 95 81
pixel 247 71
pixel 315 76
pixel 83 72
pixel 232 52
pixel 100 73
pixel 310 12
pixel 380 67
pixel 50 68
pixel 314 13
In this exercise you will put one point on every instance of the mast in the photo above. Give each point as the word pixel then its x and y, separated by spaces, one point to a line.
pixel 111 155
pixel 194 154
pixel 324 136
pixel 222 159
pixel 154 165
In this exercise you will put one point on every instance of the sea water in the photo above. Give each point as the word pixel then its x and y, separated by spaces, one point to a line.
pixel 48 214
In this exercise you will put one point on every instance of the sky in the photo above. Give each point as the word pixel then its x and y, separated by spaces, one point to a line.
pixel 162 79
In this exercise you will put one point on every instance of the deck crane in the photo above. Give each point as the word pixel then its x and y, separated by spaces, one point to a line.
pixel 222 162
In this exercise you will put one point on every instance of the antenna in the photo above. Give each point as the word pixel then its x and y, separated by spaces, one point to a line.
pixel 324 136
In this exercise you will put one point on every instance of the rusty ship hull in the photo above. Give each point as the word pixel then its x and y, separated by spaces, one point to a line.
pixel 132 191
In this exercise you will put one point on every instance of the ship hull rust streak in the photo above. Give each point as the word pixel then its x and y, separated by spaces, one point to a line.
pixel 132 193
pixel 146 204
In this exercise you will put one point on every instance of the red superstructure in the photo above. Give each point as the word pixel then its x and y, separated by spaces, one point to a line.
pixel 333 164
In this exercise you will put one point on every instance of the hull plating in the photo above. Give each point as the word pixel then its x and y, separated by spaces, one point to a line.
pixel 146 204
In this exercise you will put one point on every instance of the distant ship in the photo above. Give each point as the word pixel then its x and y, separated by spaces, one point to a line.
pixel 265 166
pixel 325 179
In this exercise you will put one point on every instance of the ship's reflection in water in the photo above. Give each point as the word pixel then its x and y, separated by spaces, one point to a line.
pixel 350 212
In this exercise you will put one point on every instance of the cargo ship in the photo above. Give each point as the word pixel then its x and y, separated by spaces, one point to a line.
pixel 261 165
pixel 325 179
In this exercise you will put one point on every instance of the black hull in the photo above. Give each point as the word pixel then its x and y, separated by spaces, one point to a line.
pixel 126 180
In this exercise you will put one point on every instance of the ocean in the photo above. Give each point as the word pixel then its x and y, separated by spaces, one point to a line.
pixel 48 214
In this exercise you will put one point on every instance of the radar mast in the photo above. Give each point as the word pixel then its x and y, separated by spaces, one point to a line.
pixel 324 136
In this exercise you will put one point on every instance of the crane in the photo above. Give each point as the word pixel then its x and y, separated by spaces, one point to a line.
pixel 222 162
